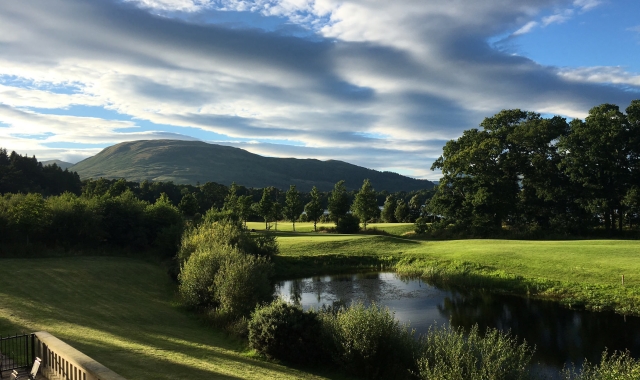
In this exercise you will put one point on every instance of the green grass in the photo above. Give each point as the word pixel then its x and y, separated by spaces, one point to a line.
pixel 391 228
pixel 578 272
pixel 122 313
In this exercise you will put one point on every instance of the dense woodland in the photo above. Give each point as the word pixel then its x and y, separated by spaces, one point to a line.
pixel 525 173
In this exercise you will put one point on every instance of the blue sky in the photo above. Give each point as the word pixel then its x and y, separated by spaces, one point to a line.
pixel 377 83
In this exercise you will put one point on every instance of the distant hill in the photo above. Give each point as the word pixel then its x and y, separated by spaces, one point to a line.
pixel 194 161
pixel 61 164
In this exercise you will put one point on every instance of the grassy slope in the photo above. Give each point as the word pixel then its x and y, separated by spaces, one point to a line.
pixel 120 312
pixel 586 272
pixel 197 161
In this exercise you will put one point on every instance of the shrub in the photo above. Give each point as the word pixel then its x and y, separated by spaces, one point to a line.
pixel 348 224
pixel 241 283
pixel 618 366
pixel 369 342
pixel 198 273
pixel 285 332
pixel 226 232
pixel 447 354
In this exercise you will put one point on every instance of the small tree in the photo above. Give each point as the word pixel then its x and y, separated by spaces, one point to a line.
pixel 415 208
pixel 314 208
pixel 265 206
pixel 402 211
pixel 276 212
pixel 365 206
pixel 231 201
pixel 389 209
pixel 244 208
pixel 338 202
pixel 292 205
pixel 29 213
pixel 188 205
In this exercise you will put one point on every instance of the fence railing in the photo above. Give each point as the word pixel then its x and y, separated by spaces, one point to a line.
pixel 63 362
pixel 16 352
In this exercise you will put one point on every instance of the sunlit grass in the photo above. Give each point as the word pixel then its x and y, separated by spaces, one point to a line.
pixel 391 228
pixel 122 313
pixel 577 272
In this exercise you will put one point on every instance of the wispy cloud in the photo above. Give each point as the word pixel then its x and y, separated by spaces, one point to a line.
pixel 378 83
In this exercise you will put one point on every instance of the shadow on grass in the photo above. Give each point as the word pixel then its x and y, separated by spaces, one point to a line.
pixel 120 313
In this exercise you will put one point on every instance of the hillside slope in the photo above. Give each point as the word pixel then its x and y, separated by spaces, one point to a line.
pixel 61 164
pixel 196 161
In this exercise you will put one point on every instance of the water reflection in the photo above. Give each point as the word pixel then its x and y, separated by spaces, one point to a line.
pixel 560 335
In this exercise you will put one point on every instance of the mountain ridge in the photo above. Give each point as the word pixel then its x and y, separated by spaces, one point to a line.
pixel 191 162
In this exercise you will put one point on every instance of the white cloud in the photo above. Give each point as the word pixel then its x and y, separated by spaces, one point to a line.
pixel 602 74
pixel 526 28
pixel 557 18
pixel 380 80
pixel 586 5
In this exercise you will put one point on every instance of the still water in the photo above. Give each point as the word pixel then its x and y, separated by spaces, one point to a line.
pixel 561 336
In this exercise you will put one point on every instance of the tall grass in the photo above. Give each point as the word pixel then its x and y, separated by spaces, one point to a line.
pixel 617 366
pixel 448 354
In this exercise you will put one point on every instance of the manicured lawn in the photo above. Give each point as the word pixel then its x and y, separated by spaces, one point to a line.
pixel 578 272
pixel 392 228
pixel 122 313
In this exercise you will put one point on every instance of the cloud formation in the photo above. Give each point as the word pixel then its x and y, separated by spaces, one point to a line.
pixel 377 83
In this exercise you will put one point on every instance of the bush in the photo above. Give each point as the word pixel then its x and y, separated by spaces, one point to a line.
pixel 369 342
pixel 226 232
pixel 618 366
pixel 198 273
pixel 348 224
pixel 447 354
pixel 285 332
pixel 241 283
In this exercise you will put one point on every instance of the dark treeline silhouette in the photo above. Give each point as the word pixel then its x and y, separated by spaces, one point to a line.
pixel 532 175
pixel 21 174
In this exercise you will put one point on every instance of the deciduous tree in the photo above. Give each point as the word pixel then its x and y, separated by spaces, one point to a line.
pixel 365 205
pixel 293 205
pixel 314 208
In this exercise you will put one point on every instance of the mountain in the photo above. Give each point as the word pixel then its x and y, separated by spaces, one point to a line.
pixel 61 164
pixel 195 161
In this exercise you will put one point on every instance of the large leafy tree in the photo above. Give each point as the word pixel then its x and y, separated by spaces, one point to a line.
pixel 491 176
pixel 365 204
pixel 339 202
pixel 598 155
pixel 292 205
pixel 314 208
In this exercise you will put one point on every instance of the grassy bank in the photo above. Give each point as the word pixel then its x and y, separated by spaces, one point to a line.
pixel 121 312
pixel 583 273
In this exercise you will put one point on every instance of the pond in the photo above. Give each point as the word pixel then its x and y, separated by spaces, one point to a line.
pixel 561 336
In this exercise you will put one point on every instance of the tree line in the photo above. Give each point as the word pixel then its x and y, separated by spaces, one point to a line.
pixel 526 173
pixel 45 205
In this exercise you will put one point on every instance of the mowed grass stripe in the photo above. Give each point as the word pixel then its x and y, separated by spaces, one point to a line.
pixel 122 313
